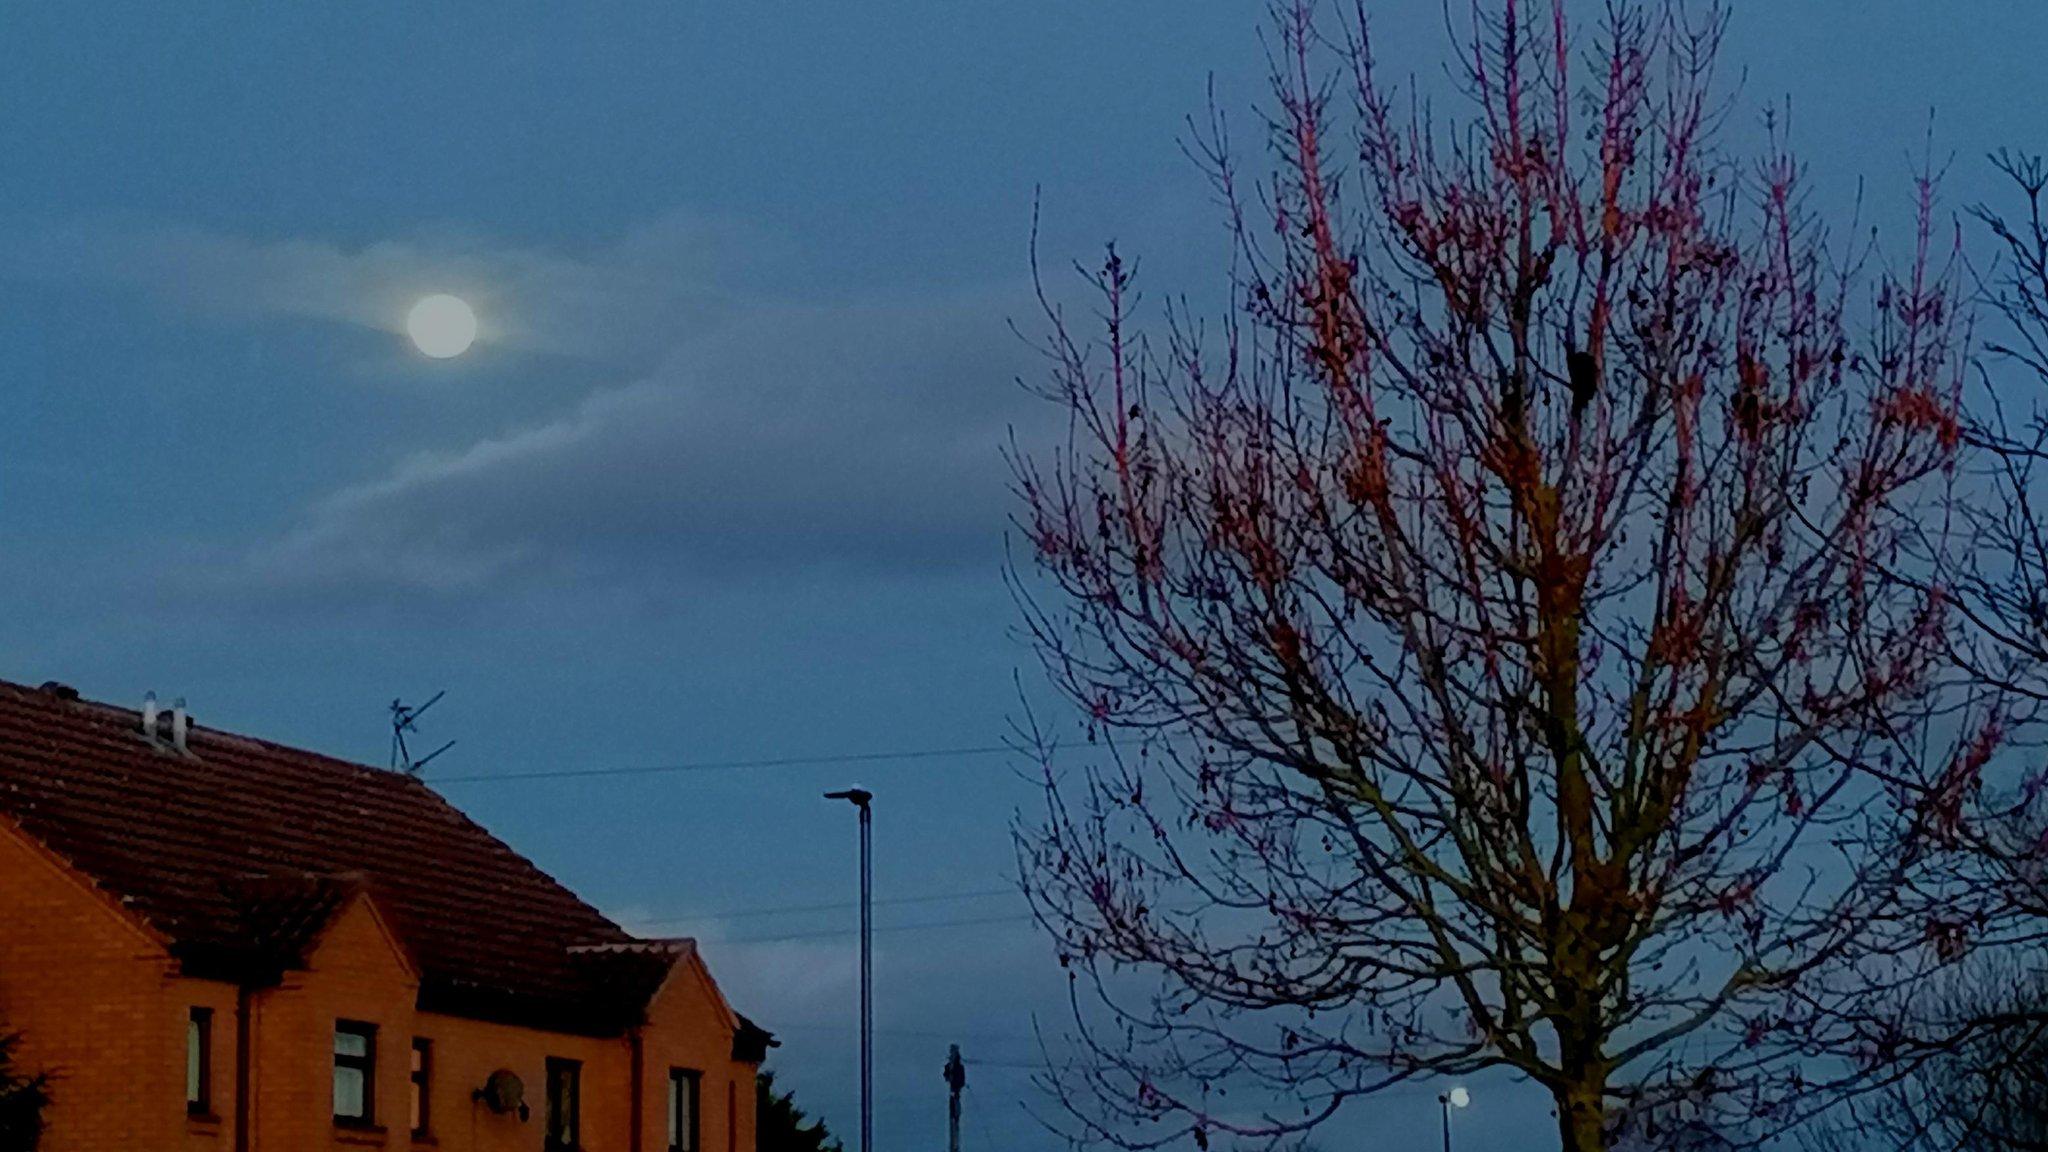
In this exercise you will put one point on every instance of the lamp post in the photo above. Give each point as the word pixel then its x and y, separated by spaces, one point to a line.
pixel 860 798
pixel 1456 1098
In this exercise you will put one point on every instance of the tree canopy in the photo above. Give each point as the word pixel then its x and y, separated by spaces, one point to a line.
pixel 1532 628
pixel 23 1097
pixel 780 1126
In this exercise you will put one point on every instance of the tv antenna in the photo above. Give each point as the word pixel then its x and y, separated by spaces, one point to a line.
pixel 405 718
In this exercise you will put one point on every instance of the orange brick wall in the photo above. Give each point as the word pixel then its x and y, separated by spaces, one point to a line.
pixel 200 1134
pixel 677 1037
pixel 356 973
pixel 89 991
pixel 98 999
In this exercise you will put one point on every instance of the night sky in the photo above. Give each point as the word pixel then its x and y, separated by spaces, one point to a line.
pixel 721 481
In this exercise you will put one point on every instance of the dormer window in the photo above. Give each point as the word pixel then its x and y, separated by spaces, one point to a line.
pixel 355 1073
pixel 683 1086
pixel 199 1062
pixel 564 1105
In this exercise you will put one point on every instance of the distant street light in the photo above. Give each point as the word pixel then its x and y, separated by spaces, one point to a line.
pixel 860 798
pixel 1456 1098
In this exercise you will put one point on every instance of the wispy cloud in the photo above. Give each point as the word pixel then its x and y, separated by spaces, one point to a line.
pixel 862 437
pixel 622 301
pixel 752 430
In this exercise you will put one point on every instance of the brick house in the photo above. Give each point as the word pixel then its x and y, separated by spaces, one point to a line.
pixel 220 943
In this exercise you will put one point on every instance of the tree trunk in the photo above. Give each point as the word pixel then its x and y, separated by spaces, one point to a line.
pixel 1582 1117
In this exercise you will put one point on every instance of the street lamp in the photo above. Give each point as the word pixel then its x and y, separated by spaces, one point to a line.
pixel 860 798
pixel 1456 1098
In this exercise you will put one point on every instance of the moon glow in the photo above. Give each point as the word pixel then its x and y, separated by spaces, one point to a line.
pixel 441 326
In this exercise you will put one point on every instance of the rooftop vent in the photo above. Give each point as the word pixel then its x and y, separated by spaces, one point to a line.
pixel 153 722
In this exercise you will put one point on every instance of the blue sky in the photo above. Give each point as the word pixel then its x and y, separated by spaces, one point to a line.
pixel 722 479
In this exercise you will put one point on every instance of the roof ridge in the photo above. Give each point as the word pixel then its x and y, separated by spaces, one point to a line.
pixel 177 840
pixel 72 698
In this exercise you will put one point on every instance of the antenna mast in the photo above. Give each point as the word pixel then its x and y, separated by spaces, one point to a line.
pixel 404 719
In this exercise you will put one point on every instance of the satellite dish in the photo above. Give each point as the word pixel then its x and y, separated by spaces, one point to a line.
pixel 504 1093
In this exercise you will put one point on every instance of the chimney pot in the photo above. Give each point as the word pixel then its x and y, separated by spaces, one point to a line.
pixel 149 715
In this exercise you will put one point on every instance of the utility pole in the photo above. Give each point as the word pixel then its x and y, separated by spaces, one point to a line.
pixel 860 798
pixel 956 1079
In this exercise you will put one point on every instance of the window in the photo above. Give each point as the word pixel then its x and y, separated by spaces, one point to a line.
pixel 199 1062
pixel 355 1073
pixel 565 1103
pixel 682 1110
pixel 422 1076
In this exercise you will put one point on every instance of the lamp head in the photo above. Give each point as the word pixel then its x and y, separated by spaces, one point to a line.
pixel 1459 1097
pixel 858 797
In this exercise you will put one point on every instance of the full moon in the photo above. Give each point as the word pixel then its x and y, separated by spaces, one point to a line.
pixel 441 325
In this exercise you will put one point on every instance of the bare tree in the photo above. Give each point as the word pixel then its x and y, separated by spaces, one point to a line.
pixel 2004 591
pixel 1975 1074
pixel 1518 635
pixel 1984 1090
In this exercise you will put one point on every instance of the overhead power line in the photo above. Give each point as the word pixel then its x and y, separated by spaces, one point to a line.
pixel 839 906
pixel 1019 918
pixel 823 1027
pixel 728 765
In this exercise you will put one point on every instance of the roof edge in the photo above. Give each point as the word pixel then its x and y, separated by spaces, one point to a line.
pixel 120 910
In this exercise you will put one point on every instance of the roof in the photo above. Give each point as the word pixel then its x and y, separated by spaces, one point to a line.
pixel 238 852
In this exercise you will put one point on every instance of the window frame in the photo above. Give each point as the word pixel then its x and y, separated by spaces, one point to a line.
pixel 421 1076
pixel 686 1084
pixel 365 1064
pixel 199 1061
pixel 563 1072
